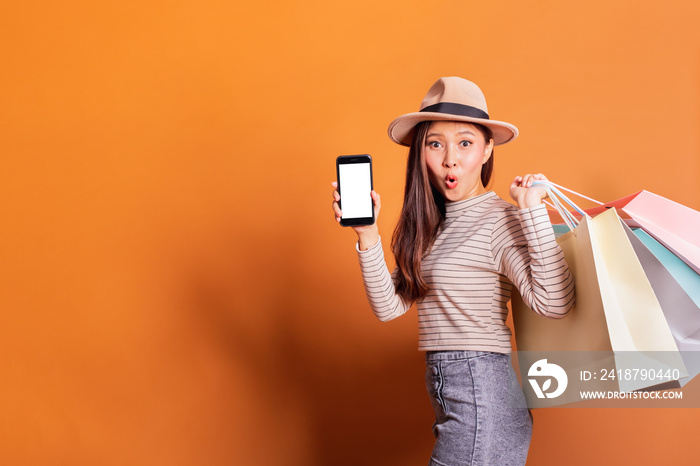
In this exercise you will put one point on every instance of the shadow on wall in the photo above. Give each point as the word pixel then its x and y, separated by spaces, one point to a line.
pixel 314 394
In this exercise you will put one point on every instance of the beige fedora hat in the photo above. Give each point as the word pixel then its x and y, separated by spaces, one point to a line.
pixel 451 99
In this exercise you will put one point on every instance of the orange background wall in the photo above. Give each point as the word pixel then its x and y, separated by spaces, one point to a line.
pixel 173 287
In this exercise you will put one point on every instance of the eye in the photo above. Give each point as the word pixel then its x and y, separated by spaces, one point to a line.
pixel 434 144
pixel 465 143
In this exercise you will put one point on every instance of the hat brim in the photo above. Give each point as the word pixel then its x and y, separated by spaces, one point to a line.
pixel 401 129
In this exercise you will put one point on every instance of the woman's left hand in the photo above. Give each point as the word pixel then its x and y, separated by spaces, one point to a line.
pixel 522 191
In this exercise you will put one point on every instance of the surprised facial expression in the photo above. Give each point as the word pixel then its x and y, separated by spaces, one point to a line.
pixel 454 152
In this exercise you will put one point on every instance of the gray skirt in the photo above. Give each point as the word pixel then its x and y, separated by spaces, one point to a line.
pixel 480 413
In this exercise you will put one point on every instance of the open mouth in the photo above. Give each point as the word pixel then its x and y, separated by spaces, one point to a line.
pixel 451 181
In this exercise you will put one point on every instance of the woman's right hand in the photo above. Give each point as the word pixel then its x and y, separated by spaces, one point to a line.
pixel 367 235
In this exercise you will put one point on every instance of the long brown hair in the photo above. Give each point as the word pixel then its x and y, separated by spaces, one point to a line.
pixel 422 214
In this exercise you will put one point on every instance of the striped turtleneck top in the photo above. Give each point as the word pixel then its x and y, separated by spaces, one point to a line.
pixel 484 248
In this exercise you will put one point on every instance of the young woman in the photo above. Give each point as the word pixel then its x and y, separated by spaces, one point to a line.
pixel 459 250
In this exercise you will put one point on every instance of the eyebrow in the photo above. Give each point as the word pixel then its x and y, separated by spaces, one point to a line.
pixel 459 132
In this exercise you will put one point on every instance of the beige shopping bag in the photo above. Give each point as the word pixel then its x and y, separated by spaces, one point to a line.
pixel 579 342
pixel 585 327
pixel 637 326
pixel 635 319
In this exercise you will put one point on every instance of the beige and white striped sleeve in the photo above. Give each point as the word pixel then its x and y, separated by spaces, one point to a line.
pixel 525 250
pixel 379 284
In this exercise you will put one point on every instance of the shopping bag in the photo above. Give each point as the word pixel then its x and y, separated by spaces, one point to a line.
pixel 581 338
pixel 669 231
pixel 682 223
pixel 636 328
pixel 682 312
pixel 674 225
pixel 682 273
pixel 585 327
pixel 635 319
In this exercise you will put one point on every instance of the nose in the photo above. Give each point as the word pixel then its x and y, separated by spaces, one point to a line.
pixel 450 160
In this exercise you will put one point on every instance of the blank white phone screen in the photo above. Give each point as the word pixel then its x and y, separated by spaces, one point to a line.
pixel 356 188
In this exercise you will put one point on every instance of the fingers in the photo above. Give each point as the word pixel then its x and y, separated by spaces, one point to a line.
pixel 377 201
pixel 537 177
pixel 524 194
pixel 336 211
pixel 336 194
pixel 527 180
pixel 336 198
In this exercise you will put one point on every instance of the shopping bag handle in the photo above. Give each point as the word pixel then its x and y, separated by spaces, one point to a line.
pixel 575 193
pixel 559 199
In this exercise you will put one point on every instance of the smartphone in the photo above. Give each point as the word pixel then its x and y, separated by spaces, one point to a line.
pixel 355 186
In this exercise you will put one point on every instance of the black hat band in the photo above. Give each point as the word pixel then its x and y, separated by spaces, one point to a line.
pixel 456 109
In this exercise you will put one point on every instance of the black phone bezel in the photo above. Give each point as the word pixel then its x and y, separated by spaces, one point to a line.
pixel 350 159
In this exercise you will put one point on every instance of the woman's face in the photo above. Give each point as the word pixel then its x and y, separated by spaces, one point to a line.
pixel 454 152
